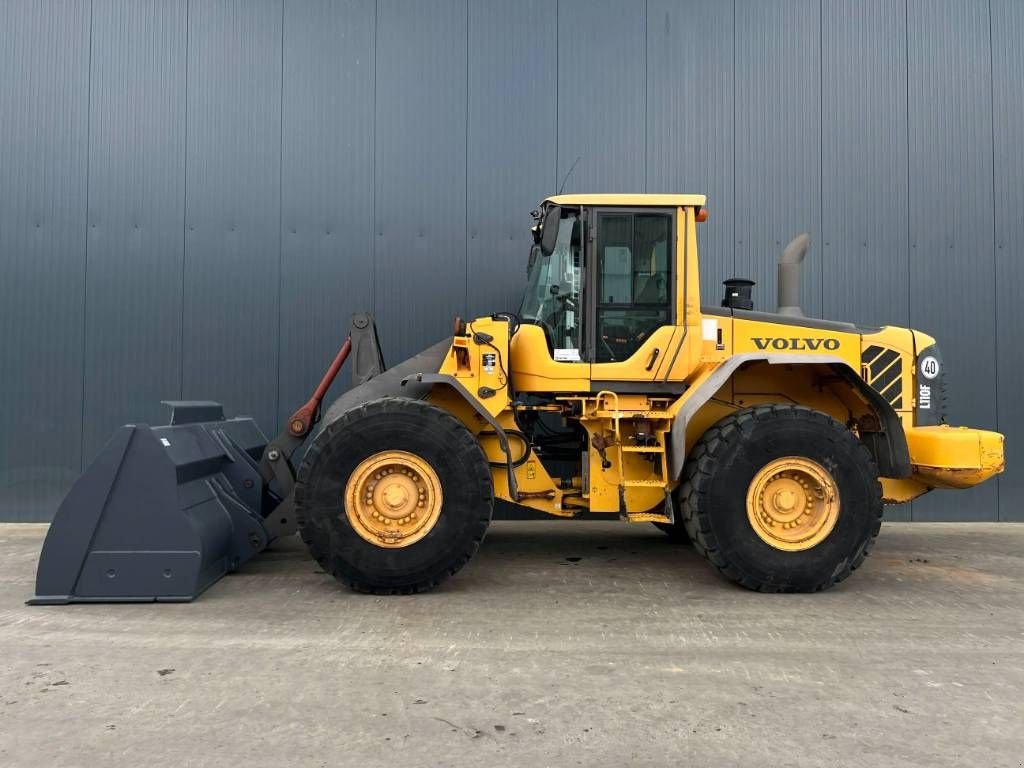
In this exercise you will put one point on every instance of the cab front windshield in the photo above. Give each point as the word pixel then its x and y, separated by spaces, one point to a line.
pixel 553 287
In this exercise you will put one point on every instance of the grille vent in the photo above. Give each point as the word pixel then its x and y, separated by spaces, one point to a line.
pixel 883 370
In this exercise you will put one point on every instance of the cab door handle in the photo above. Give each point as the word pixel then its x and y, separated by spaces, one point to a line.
pixel 654 358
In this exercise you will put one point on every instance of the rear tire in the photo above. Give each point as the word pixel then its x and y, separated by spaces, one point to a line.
pixel 393 426
pixel 719 499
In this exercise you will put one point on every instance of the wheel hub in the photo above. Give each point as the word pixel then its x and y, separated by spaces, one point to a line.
pixel 793 503
pixel 393 499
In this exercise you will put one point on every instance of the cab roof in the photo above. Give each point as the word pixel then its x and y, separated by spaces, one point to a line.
pixel 633 201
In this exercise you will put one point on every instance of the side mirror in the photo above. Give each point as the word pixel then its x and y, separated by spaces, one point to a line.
pixel 549 230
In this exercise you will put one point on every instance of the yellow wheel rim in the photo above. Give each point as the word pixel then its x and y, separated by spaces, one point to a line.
pixel 793 503
pixel 393 499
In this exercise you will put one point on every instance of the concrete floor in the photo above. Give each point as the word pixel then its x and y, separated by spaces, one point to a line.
pixel 562 644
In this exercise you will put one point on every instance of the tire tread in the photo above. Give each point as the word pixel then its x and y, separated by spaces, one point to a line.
pixel 433 418
pixel 695 510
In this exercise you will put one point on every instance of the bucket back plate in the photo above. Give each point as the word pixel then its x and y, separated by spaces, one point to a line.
pixel 160 515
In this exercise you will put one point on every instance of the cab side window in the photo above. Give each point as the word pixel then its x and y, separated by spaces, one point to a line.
pixel 634 287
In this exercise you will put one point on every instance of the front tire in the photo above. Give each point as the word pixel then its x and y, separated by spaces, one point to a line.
pixel 781 498
pixel 394 496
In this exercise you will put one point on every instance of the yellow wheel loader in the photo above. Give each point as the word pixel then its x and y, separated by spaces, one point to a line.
pixel 768 439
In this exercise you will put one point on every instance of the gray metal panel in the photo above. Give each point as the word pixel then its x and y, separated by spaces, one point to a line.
pixel 511 143
pixel 951 240
pixel 465 115
pixel 136 210
pixel 602 62
pixel 44 98
pixel 863 246
pixel 690 83
pixel 420 172
pixel 778 142
pixel 232 209
pixel 327 188
pixel 1008 112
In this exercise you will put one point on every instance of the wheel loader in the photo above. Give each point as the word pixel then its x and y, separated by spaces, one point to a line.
pixel 769 440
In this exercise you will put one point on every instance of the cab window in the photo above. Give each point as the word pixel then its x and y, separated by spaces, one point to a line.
pixel 634 288
pixel 553 291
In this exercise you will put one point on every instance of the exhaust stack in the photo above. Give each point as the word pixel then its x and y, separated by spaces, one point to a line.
pixel 789 275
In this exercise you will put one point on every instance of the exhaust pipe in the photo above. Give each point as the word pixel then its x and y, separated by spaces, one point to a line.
pixel 789 275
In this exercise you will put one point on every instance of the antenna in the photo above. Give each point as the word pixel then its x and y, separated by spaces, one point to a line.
pixel 573 168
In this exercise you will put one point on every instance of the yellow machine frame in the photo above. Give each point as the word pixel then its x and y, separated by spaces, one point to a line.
pixel 714 362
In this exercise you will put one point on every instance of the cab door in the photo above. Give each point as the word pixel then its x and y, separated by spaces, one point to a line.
pixel 632 294
pixel 548 352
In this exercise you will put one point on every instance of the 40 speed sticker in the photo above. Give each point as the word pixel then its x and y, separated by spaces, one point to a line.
pixel 929 367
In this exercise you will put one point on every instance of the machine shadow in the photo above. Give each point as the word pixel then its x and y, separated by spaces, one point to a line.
pixel 567 554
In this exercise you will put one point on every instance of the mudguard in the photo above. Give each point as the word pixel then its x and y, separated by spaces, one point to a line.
pixel 389 383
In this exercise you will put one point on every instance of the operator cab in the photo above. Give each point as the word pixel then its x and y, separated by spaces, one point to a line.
pixel 604 314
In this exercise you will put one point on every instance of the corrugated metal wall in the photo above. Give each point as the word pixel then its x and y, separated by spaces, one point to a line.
pixel 195 194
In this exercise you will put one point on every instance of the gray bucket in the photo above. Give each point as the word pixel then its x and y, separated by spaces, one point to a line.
pixel 161 514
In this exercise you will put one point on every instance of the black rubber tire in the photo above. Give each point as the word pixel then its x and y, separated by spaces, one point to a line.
pixel 675 531
pixel 394 423
pixel 720 469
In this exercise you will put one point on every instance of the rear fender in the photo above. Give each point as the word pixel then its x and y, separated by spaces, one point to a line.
pixel 888 446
